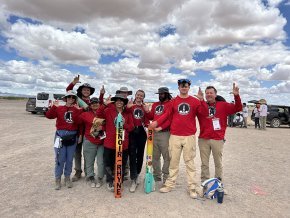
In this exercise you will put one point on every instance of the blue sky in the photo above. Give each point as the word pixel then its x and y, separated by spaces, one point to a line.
pixel 43 45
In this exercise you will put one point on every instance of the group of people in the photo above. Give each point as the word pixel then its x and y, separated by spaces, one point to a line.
pixel 172 119
pixel 259 113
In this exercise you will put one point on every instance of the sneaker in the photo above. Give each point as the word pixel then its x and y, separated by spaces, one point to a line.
pixel 57 184
pixel 193 194
pixel 77 176
pixel 93 182
pixel 138 180
pixel 165 189
pixel 99 183
pixel 133 186
pixel 68 182
pixel 110 187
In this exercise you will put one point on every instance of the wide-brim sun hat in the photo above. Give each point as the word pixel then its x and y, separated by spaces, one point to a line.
pixel 86 85
pixel 69 93
pixel 124 89
pixel 162 90
pixel 94 100
pixel 121 97
pixel 263 101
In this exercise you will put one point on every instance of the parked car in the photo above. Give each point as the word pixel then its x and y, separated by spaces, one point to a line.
pixel 277 115
pixel 30 105
pixel 45 100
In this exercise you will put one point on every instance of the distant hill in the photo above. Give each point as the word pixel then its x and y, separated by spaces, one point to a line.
pixel 13 96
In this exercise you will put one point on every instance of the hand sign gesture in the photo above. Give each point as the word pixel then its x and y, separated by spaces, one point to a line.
pixel 130 103
pixel 76 80
pixel 199 94
pixel 103 91
pixel 235 89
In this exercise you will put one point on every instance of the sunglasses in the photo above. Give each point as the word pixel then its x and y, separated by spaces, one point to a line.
pixel 72 96
pixel 184 81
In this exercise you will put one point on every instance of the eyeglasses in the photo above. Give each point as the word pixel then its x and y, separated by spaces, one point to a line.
pixel 184 81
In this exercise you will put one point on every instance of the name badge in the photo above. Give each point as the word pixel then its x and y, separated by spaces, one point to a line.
pixel 216 124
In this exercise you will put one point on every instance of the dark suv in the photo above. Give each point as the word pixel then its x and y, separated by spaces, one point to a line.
pixel 30 105
pixel 277 115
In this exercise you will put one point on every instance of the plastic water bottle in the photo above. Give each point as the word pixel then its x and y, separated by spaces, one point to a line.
pixel 220 195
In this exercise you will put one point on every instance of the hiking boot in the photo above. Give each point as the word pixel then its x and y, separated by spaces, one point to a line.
pixel 93 181
pixel 110 187
pixel 68 182
pixel 77 176
pixel 99 183
pixel 133 186
pixel 57 184
pixel 165 189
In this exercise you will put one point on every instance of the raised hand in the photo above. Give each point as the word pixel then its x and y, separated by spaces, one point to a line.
pixel 146 108
pixel 199 94
pixel 56 103
pixel 103 91
pixel 236 90
pixel 76 80
pixel 108 100
pixel 130 103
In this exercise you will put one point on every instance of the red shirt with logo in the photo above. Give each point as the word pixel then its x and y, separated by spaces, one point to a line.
pixel 157 109
pixel 182 113
pixel 222 111
pixel 66 117
pixel 139 117
pixel 110 115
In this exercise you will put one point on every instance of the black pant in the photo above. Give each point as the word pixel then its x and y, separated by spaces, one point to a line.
pixel 109 163
pixel 137 143
pixel 257 122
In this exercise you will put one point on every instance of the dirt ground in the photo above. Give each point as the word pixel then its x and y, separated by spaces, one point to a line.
pixel 256 175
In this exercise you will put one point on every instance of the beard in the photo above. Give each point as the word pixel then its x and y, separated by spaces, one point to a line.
pixel 162 98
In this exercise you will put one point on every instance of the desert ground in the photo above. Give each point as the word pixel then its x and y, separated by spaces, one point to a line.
pixel 256 176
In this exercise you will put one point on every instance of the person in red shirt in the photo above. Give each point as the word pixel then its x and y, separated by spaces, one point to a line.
pixel 84 92
pixel 213 123
pixel 137 138
pixel 110 115
pixel 93 148
pixel 182 113
pixel 65 137
pixel 161 135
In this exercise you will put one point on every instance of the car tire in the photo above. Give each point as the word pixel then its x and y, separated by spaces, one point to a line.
pixel 33 112
pixel 275 123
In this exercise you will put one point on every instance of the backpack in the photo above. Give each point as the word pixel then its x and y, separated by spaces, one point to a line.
pixel 210 187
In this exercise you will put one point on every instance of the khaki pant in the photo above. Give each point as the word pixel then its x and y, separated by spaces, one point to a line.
pixel 206 146
pixel 160 147
pixel 177 144
pixel 263 122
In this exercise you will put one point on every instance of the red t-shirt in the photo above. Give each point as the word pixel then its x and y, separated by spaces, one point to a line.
pixel 223 110
pixel 86 119
pixel 182 113
pixel 66 117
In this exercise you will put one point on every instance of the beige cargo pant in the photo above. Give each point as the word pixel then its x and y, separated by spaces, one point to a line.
pixel 177 144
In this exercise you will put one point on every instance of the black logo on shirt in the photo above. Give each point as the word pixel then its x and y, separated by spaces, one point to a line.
pixel 183 108
pixel 138 113
pixel 159 109
pixel 68 117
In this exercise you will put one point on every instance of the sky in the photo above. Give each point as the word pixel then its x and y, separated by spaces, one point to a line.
pixel 146 44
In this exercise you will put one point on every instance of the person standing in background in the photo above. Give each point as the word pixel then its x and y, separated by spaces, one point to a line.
pixel 245 115
pixel 256 112
pixel 263 113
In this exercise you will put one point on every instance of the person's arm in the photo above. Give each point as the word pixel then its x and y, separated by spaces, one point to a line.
pixel 51 113
pixel 102 93
pixel 166 116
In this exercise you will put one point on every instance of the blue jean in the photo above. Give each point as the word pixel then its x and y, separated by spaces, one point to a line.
pixel 64 156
